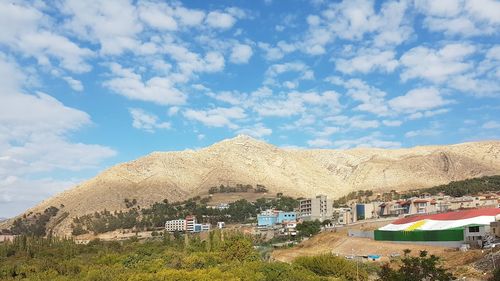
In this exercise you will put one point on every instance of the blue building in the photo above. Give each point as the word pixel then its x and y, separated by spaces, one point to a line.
pixel 269 218
pixel 286 217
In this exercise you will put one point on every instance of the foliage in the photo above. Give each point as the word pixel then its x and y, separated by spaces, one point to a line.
pixel 155 216
pixel 465 187
pixel 34 225
pixel 332 266
pixel 230 256
pixel 412 268
pixel 309 228
pixel 359 196
pixel 238 188
pixel 496 275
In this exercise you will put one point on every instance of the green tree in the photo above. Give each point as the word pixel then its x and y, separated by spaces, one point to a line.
pixel 423 267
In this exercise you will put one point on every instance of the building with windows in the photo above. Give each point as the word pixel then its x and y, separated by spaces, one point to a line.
pixel 269 218
pixel 175 225
pixel 469 226
pixel 188 224
pixel 318 208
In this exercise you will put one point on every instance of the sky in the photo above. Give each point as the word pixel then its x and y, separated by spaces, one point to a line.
pixel 88 84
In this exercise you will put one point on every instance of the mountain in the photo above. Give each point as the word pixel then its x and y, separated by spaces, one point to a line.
pixel 296 172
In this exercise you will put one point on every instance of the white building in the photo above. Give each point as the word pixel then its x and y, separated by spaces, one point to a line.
pixel 221 224
pixel 175 225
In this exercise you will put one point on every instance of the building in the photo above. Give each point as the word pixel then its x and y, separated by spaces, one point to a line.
pixel 175 225
pixel 343 216
pixel 466 226
pixel 269 218
pixel 495 228
pixel 365 211
pixel 221 224
pixel 318 208
pixel 190 223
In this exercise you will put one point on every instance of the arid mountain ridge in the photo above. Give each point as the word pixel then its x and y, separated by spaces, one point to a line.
pixel 296 172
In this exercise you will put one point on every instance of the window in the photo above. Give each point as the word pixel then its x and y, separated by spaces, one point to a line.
pixel 474 229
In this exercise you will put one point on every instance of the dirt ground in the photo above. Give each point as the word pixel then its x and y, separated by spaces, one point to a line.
pixel 340 244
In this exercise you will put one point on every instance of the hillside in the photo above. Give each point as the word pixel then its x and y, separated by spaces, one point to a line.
pixel 243 160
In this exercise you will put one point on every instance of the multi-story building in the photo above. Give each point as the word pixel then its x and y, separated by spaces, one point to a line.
pixel 318 208
pixel 190 223
pixel 175 225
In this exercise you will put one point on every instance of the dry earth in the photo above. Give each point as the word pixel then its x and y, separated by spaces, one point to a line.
pixel 295 172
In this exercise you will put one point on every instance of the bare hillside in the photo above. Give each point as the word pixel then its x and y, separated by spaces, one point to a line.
pixel 181 175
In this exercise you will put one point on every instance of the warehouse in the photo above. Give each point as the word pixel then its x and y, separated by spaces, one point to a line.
pixel 469 226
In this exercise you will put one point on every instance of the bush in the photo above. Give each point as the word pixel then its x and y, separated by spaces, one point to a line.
pixel 332 266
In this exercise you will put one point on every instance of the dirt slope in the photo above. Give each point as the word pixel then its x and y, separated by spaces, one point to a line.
pixel 180 175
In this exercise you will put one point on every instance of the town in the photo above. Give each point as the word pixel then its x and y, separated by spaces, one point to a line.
pixel 451 221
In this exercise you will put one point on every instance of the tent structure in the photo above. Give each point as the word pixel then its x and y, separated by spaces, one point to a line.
pixel 449 226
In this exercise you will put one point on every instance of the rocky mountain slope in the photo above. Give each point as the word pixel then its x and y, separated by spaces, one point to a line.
pixel 295 172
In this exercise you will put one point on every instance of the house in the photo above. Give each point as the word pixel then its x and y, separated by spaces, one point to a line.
pixel 221 224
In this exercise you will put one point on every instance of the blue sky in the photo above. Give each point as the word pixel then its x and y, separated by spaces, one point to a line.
pixel 88 84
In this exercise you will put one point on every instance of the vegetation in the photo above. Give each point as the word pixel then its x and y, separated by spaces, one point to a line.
pixel 33 225
pixel 230 256
pixel 465 187
pixel 238 188
pixel 422 267
pixel 155 216
pixel 359 196
pixel 309 228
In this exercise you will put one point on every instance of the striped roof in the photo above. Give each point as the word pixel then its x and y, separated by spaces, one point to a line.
pixel 458 215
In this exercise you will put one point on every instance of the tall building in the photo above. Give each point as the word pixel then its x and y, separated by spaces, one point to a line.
pixel 175 225
pixel 318 208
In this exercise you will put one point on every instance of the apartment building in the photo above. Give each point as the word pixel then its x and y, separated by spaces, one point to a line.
pixel 318 208
pixel 175 225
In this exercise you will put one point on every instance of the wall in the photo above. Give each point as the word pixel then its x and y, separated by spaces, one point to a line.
pixel 360 233
pixel 420 236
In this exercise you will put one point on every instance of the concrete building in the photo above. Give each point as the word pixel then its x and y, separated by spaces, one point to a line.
pixel 175 225
pixel 190 223
pixel 495 228
pixel 221 224
pixel 318 208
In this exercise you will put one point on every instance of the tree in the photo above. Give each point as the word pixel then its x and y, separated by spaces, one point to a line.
pixel 422 267
pixel 309 228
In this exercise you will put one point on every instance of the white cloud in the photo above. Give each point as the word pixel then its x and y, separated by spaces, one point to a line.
pixel 24 30
pixel 368 60
pixel 257 131
pixel 319 143
pixel 241 53
pixel 422 133
pixel 371 99
pixel 217 117
pixel 436 65
pixel 148 122
pixel 221 20
pixel 34 129
pixel 114 24
pixel 327 131
pixel 157 15
pixel 491 125
pixel 160 90
pixel 418 99
pixel 73 83
pixel 364 124
pixel 392 123
pixel 373 140
pixel 18 194
pixel 464 18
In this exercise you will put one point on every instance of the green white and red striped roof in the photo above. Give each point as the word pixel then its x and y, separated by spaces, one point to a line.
pixel 458 219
